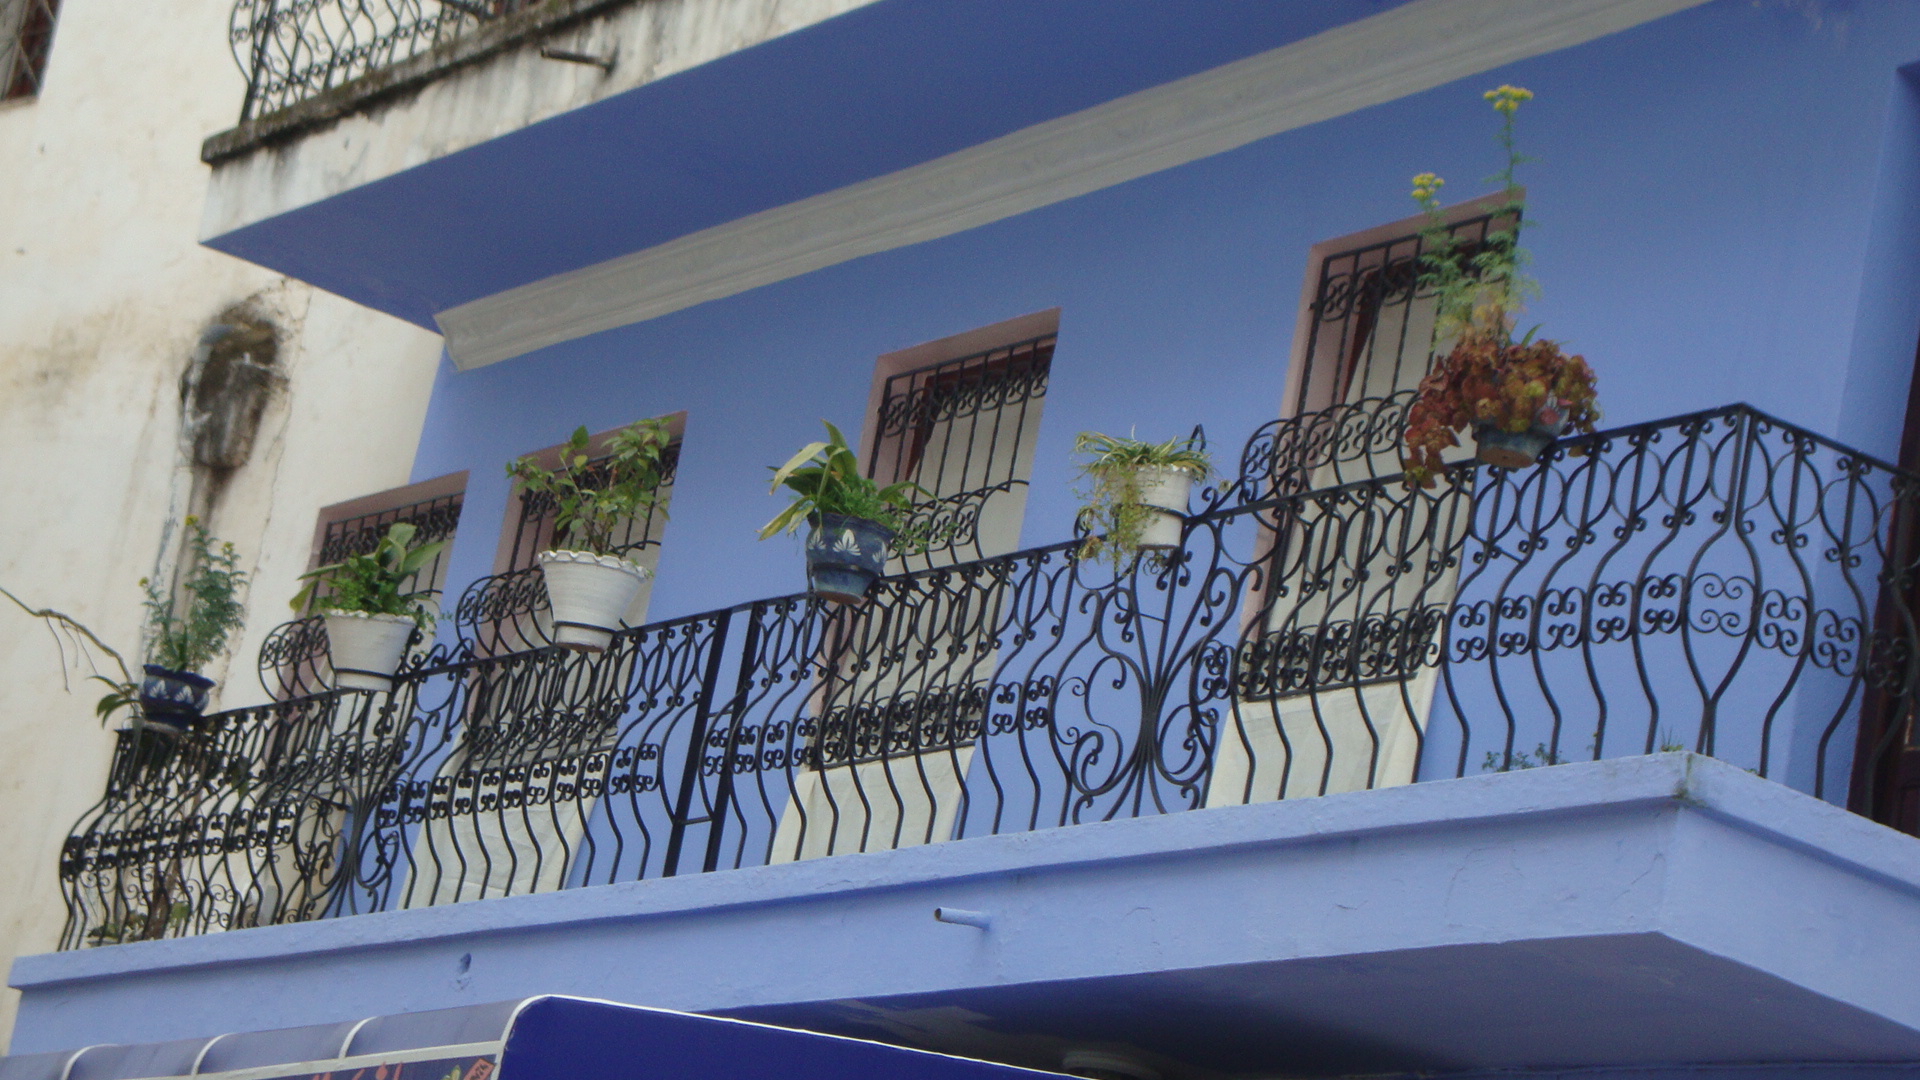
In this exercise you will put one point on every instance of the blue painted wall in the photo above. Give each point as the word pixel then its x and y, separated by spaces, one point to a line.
pixel 1723 209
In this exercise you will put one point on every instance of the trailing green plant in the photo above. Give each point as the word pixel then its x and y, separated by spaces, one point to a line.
pixel 594 497
pixel 825 478
pixel 1487 379
pixel 372 582
pixel 1112 511
pixel 186 640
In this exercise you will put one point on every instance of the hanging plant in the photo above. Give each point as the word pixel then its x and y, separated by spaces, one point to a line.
pixel 591 585
pixel 1516 396
pixel 1136 494
pixel 369 618
pixel 854 523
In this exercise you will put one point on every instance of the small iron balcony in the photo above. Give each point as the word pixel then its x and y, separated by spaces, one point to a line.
pixel 291 51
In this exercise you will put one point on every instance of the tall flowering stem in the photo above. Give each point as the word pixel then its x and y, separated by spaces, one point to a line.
pixel 1487 380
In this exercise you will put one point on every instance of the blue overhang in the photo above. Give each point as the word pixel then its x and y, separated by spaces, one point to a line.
pixel 870 92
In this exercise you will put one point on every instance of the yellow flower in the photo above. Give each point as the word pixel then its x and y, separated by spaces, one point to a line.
pixel 1507 99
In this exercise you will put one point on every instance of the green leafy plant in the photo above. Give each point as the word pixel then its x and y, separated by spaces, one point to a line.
pixel 372 583
pixel 825 478
pixel 186 640
pixel 1114 516
pixel 1487 379
pixel 180 641
pixel 593 498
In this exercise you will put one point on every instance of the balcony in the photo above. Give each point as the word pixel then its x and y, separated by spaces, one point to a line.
pixel 293 52
pixel 1722 583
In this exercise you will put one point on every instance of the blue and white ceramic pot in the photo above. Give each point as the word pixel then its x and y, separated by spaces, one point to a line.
pixel 845 556
pixel 1519 449
pixel 172 699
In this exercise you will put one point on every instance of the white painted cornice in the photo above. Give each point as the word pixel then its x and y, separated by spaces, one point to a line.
pixel 1387 56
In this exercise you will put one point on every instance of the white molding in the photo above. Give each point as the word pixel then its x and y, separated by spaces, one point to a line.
pixel 1403 51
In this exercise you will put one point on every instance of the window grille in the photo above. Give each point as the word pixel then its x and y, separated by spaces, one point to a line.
pixel 433 519
pixel 26 40
pixel 293 658
pixel 1371 335
pixel 964 430
pixel 508 612
pixel 533 521
pixel 1350 617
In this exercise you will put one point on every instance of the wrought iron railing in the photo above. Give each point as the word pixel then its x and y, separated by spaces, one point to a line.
pixel 291 50
pixel 292 661
pixel 1721 582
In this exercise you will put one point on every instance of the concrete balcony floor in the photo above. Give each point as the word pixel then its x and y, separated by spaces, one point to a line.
pixel 1639 912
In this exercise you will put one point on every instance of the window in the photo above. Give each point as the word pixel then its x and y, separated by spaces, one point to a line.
pixel 26 38
pixel 893 725
pixel 507 612
pixel 546 753
pixel 959 417
pixel 1334 678
pixel 293 658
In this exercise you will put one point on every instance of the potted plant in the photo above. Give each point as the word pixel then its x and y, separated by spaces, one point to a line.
pixel 369 620
pixel 853 520
pixel 173 694
pixel 1516 396
pixel 1138 495
pixel 590 586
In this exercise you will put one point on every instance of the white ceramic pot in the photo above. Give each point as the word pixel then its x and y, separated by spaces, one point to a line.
pixel 1165 492
pixel 365 649
pixel 589 594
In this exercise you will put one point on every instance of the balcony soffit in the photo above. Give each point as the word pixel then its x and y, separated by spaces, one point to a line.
pixel 891 124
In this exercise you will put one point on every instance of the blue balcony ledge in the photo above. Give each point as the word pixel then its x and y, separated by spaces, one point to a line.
pixel 1663 910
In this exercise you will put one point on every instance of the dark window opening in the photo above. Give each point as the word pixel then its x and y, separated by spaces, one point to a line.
pixel 28 26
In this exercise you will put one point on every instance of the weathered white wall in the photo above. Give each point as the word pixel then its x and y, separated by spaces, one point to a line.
pixel 103 293
pixel 648 41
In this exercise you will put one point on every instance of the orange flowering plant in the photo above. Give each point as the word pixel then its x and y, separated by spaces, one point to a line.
pixel 1488 381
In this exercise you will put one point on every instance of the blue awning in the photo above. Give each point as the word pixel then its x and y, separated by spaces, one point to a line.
pixel 538 1038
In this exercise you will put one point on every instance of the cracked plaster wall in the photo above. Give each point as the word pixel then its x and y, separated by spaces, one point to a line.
pixel 104 296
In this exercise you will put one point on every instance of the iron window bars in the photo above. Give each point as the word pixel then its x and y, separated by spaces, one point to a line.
pixel 508 613
pixel 1720 581
pixel 293 658
pixel 504 612
pixel 963 429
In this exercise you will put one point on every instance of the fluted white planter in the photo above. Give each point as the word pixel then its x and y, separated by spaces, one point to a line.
pixel 366 649
pixel 1164 491
pixel 589 595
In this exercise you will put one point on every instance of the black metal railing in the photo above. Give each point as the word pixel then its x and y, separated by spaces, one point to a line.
pixel 1720 582
pixel 292 661
pixel 291 50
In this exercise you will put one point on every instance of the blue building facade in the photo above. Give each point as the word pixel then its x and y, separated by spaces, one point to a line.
pixel 1276 804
